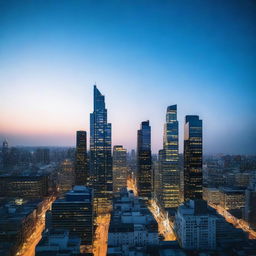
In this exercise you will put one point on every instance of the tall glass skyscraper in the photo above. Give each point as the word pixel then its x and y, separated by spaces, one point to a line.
pixel 169 160
pixel 81 165
pixel 100 154
pixel 144 161
pixel 193 154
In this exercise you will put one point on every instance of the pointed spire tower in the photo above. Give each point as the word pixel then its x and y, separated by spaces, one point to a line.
pixel 100 154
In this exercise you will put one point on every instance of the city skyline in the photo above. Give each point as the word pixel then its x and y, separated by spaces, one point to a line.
pixel 153 56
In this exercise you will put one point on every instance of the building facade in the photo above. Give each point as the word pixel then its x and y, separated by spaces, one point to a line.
pixel 120 172
pixel 100 155
pixel 250 206
pixel 195 226
pixel 27 187
pixel 66 176
pixel 81 165
pixel 132 226
pixel 144 161
pixel 75 214
pixel 169 162
pixel 58 243
pixel 193 154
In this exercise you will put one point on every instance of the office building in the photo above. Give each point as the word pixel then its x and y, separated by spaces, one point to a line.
pixel 212 195
pixel 193 153
pixel 169 163
pixel 232 198
pixel 144 161
pixel 81 167
pixel 75 214
pixel 66 176
pixel 100 154
pixel 26 186
pixel 120 173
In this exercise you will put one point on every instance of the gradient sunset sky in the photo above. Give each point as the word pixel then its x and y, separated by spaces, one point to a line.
pixel 143 56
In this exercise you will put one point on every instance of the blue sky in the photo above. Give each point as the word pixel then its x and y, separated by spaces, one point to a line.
pixel 143 55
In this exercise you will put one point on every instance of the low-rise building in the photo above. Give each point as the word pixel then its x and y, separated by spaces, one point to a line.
pixel 212 195
pixel 58 243
pixel 200 227
pixel 232 198
pixel 132 225
pixel 17 223
pixel 195 225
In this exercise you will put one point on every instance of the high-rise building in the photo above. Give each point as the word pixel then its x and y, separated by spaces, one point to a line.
pixel 81 168
pixel 65 176
pixel 144 161
pixel 169 163
pixel 120 173
pixel 100 154
pixel 132 162
pixel 75 214
pixel 193 155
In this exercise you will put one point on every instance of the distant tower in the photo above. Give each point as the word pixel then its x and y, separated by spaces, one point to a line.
pixel 5 151
pixel 144 161
pixel 100 154
pixel 170 159
pixel 81 159
pixel 120 172
pixel 193 154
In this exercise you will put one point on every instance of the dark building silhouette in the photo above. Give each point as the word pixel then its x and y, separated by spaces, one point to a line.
pixel 100 154
pixel 5 151
pixel 169 160
pixel 42 156
pixel 144 161
pixel 81 167
pixel 193 158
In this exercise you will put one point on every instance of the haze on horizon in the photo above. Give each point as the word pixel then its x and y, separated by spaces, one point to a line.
pixel 143 56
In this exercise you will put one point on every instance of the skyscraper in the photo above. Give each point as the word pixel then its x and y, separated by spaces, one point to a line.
pixel 100 154
pixel 144 161
pixel 120 172
pixel 193 154
pixel 81 167
pixel 169 160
